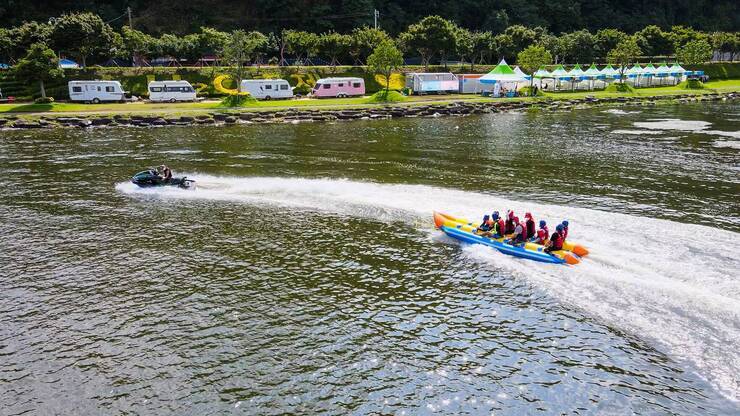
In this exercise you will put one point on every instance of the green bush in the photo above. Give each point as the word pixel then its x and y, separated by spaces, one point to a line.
pixel 391 97
pixel 691 84
pixel 620 87
pixel 237 101
pixel 718 70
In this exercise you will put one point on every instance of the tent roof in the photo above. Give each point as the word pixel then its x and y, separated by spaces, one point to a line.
pixel 592 70
pixel 519 71
pixel 663 69
pixel 677 68
pixel 542 73
pixel 576 71
pixel 636 69
pixel 559 72
pixel 502 72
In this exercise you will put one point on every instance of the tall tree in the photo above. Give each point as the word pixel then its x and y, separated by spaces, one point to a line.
pixel 236 52
pixel 6 44
pixel 82 35
pixel 532 58
pixel 364 40
pixel 482 47
pixel 432 36
pixel 623 55
pixel 40 65
pixel 138 45
pixel 27 34
pixel 606 40
pixel 695 52
pixel 578 46
pixel 334 46
pixel 385 59
pixel 653 41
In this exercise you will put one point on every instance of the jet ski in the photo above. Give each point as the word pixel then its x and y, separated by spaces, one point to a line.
pixel 150 178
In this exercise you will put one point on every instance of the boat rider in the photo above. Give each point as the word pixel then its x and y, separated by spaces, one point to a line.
pixel 556 240
pixel 565 229
pixel 165 173
pixel 529 222
pixel 497 230
pixel 542 234
pixel 520 233
pixel 485 225
pixel 509 228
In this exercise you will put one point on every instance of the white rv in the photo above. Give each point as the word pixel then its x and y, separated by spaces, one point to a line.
pixel 267 89
pixel 171 91
pixel 96 91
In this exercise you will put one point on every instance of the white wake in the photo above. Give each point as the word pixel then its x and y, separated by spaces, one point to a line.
pixel 675 285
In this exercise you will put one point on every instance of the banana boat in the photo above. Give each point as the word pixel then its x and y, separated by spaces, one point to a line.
pixel 465 231
pixel 574 248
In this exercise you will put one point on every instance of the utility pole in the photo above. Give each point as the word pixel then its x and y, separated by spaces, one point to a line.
pixel 130 21
pixel 376 14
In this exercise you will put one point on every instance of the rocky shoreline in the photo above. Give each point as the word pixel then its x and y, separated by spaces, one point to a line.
pixel 48 121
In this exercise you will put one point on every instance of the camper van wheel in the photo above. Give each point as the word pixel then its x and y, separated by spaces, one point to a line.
pixel 96 100
pixel 268 98
pixel 172 100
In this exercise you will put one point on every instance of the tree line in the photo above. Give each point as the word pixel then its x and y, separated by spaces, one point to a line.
pixel 88 39
pixel 561 16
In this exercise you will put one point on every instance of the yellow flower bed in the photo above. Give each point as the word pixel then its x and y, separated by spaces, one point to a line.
pixel 397 81
pixel 218 85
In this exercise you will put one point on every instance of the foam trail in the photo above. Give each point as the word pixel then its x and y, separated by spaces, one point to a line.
pixel 682 293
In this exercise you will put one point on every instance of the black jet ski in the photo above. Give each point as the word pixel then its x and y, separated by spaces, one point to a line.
pixel 150 178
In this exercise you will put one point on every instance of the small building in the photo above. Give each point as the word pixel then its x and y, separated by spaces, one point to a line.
pixel 470 83
pixel 267 89
pixel 432 83
pixel 171 91
pixel 96 91
pixel 338 87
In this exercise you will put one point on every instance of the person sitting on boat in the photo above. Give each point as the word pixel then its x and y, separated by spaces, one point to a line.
pixel 498 225
pixel 165 173
pixel 556 240
pixel 529 222
pixel 542 234
pixel 565 229
pixel 485 226
pixel 520 233
pixel 509 228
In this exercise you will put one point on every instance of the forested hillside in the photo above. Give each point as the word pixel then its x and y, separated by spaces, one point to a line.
pixel 181 17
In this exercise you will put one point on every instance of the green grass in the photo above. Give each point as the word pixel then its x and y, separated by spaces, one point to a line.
pixel 338 103
pixel 386 97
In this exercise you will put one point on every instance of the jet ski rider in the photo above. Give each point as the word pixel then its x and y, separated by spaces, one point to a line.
pixel 165 173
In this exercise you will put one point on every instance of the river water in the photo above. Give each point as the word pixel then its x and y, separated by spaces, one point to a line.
pixel 304 275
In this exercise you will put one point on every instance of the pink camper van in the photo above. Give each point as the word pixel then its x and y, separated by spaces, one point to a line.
pixel 338 87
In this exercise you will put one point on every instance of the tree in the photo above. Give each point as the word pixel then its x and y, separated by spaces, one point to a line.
pixel 137 44
pixel 300 44
pixel 578 46
pixel 606 40
pixel 169 45
pixel 212 41
pixel 464 40
pixel 482 47
pixel 385 59
pixel 653 41
pixel 238 50
pixel 681 35
pixel 520 37
pixel 695 52
pixel 333 46
pixel 725 43
pixel 532 58
pixel 27 34
pixel 431 36
pixel 624 54
pixel 82 35
pixel 41 64
pixel 6 44
pixel 364 40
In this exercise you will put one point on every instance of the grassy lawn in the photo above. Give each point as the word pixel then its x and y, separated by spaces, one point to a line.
pixel 334 103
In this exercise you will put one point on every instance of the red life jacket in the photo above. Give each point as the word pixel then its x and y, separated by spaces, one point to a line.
pixel 525 234
pixel 565 233
pixel 543 234
pixel 500 228
pixel 530 227
pixel 557 241
pixel 509 226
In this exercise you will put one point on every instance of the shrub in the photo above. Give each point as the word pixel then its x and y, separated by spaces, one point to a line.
pixel 242 100
pixel 44 100
pixel 620 87
pixel 691 84
pixel 382 97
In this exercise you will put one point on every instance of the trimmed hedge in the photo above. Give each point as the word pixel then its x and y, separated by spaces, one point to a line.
pixel 718 70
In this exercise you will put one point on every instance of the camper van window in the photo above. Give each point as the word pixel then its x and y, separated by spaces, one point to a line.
pixel 284 87
pixel 98 88
pixel 356 85
pixel 155 89
pixel 326 86
pixel 268 87
pixel 109 89
pixel 76 89
pixel 341 84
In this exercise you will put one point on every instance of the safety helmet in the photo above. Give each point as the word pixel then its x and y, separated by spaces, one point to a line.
pixel 542 223
pixel 559 227
pixel 528 215
pixel 565 223
pixel 495 215
pixel 485 217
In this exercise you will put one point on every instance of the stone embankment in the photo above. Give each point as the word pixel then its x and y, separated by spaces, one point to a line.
pixel 310 115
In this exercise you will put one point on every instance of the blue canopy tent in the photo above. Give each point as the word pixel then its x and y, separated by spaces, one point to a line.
pixel 68 64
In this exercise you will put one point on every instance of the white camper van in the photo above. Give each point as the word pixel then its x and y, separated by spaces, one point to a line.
pixel 267 89
pixel 96 91
pixel 171 91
